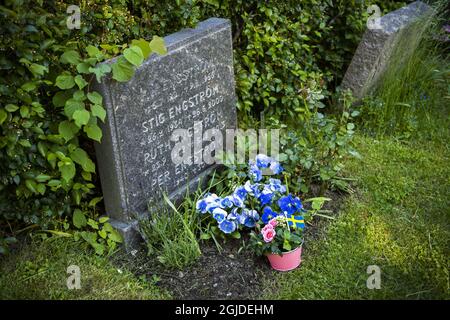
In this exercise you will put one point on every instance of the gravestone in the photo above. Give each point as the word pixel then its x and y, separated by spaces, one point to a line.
pixel 191 87
pixel 377 46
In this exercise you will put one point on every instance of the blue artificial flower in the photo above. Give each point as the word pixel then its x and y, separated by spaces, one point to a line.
pixel 249 218
pixel 262 161
pixel 289 204
pixel 241 192
pixel 268 214
pixel 227 226
pixel 275 185
pixel 237 201
pixel 276 167
pixel 233 215
pixel 227 202
pixel 248 186
pixel 266 196
pixel 255 173
pixel 202 206
pixel 219 214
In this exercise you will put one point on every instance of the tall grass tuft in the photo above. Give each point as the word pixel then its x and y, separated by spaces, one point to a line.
pixel 410 90
pixel 172 232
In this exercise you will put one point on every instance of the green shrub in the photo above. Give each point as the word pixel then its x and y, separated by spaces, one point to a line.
pixel 279 47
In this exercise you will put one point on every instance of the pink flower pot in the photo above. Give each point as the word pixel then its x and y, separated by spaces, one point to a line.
pixel 287 261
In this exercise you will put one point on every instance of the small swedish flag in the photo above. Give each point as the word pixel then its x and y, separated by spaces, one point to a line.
pixel 295 221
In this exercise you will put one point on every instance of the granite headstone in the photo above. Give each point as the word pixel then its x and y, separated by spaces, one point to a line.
pixel 377 45
pixel 192 84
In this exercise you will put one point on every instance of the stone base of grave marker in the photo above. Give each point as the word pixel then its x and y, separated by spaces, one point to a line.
pixel 191 88
pixel 377 45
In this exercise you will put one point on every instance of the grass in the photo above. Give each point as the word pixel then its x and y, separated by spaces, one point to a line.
pixel 415 83
pixel 399 220
pixel 38 271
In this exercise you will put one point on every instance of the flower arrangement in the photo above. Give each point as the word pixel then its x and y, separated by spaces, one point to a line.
pixel 264 205
pixel 252 202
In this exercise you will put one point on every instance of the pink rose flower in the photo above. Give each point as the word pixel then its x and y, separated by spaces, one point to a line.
pixel 269 235
pixel 266 228
pixel 273 222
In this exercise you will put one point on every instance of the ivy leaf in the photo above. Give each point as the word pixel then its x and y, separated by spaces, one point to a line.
pixel 81 83
pixel 144 45
pixel 134 55
pixel 157 45
pixel 67 129
pixel 81 157
pixel 71 106
pixel 71 56
pixel 93 131
pixel 81 117
pixel 98 111
pixel 122 70
pixel 79 219
pixel 65 81
pixel 95 97
pixel 67 169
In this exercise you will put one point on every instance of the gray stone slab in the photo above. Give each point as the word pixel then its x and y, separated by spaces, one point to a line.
pixel 193 82
pixel 377 45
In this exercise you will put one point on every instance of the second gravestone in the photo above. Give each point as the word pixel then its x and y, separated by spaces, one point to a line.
pixel 192 84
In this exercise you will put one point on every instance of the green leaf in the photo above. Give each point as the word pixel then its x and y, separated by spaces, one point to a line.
pixel 11 107
pixel 81 83
pixel 103 219
pixel 93 131
pixel 93 51
pixel 29 86
pixel 100 71
pixel 71 56
pixel 81 117
pixel 65 81
pixel 67 170
pixel 31 185
pixel 79 95
pixel 93 223
pixel 79 219
pixel 72 106
pixel 157 45
pixel 95 97
pixel 115 236
pixel 134 55
pixel 37 69
pixel 98 111
pixel 3 116
pixel 67 129
pixel 60 98
pixel 83 67
pixel 81 157
pixel 24 111
pixel 102 233
pixel 94 202
pixel 144 45
pixel 122 70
